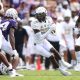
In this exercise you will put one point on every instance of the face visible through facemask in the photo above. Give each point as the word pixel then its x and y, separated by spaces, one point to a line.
pixel 67 19
pixel 41 17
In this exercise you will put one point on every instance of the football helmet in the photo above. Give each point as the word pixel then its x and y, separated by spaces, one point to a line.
pixel 12 13
pixel 41 13
pixel 67 16
pixel 41 10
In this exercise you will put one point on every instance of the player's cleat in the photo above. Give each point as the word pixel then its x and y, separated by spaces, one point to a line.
pixel 77 67
pixel 65 73
pixel 30 67
pixel 13 73
pixel 1 73
pixel 17 74
pixel 66 64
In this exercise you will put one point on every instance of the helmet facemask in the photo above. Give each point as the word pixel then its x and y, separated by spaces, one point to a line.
pixel 41 16
pixel 67 19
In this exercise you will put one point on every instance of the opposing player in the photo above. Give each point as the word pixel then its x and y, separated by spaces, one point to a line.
pixel 29 50
pixel 42 26
pixel 8 26
pixel 2 55
pixel 67 37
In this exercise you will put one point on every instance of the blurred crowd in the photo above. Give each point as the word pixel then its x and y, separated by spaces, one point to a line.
pixel 57 9
pixel 26 8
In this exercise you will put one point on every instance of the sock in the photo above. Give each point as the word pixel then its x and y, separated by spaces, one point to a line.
pixel 73 62
pixel 78 56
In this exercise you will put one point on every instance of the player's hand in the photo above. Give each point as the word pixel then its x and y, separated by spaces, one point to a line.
pixel 15 53
pixel 53 27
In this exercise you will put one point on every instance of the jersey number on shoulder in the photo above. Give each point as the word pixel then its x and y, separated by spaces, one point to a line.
pixel 4 25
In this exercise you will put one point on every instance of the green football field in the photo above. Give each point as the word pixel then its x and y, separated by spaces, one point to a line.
pixel 43 75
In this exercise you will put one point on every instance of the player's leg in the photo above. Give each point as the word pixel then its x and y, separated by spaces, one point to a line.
pixel 77 49
pixel 7 48
pixel 42 51
pixel 47 63
pixel 73 61
pixel 15 59
pixel 2 56
pixel 56 54
pixel 4 59
pixel 77 44
pixel 10 70
pixel 72 51
pixel 77 67
pixel 64 64
pixel 49 47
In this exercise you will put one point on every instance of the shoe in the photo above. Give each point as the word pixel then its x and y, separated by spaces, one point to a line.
pixel 3 69
pixel 65 73
pixel 17 74
pixel 77 67
pixel 13 73
pixel 66 64
pixel 30 67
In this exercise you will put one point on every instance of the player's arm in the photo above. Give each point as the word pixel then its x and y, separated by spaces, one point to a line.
pixel 48 32
pixel 52 28
pixel 38 33
pixel 12 38
pixel 12 41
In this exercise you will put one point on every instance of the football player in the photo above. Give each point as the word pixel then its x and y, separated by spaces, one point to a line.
pixel 42 26
pixel 2 55
pixel 67 37
pixel 8 26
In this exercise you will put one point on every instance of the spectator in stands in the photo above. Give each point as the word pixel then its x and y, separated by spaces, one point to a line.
pixel 23 11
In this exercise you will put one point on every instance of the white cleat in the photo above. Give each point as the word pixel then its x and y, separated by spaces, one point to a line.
pixel 13 73
pixel 66 64
pixel 30 67
pixel 17 74
pixel 77 67
pixel 65 73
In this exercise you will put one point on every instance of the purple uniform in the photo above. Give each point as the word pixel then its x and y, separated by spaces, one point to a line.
pixel 7 24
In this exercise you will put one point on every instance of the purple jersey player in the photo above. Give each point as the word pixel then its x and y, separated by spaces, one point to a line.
pixel 8 25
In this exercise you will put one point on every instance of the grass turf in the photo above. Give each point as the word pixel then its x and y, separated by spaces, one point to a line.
pixel 43 75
